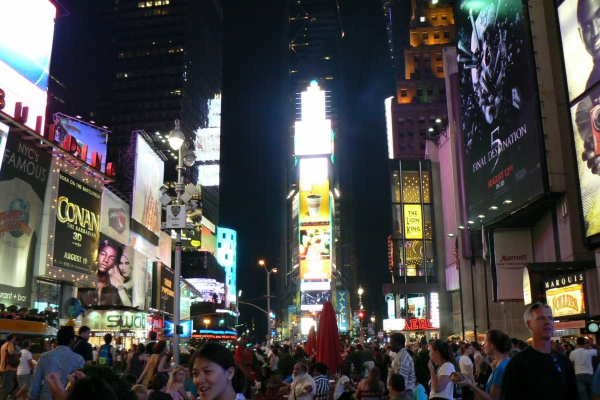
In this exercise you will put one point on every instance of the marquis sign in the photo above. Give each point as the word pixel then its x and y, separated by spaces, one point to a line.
pixel 566 295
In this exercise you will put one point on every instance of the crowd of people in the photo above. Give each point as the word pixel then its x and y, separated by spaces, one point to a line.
pixel 503 368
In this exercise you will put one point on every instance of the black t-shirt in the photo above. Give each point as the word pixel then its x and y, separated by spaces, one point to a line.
pixel 533 375
pixel 83 348
pixel 150 347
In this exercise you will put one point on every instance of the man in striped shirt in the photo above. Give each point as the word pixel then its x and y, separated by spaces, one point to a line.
pixel 403 363
pixel 319 373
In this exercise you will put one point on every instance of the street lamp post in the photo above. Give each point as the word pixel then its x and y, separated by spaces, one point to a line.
pixel 264 265
pixel 360 307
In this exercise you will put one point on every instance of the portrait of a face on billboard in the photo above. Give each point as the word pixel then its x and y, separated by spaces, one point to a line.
pixel 117 273
pixel 581 43
pixel 586 129
pixel 498 103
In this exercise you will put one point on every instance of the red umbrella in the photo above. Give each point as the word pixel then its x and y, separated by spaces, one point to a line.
pixel 328 339
pixel 311 341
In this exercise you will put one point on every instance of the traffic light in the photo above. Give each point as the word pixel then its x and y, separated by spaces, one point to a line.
pixel 361 314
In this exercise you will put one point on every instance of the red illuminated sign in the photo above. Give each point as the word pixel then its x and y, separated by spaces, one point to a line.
pixel 419 324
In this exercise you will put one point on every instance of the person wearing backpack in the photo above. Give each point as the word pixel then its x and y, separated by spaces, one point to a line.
pixel 107 355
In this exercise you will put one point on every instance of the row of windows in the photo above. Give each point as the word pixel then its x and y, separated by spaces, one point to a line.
pixel 427 57
pixel 436 35
pixel 144 4
pixel 410 134
pixel 150 72
pixel 439 68
pixel 145 13
pixel 444 17
pixel 420 92
pixel 151 52
pixel 149 116
pixel 410 146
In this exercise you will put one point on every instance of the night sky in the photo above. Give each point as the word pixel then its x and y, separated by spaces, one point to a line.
pixel 250 158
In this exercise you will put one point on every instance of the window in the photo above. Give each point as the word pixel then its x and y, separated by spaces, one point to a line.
pixel 421 120
pixel 422 132
pixel 440 68
pixel 409 120
pixel 446 35
pixel 416 58
pixel 411 146
pixel 400 135
pixel 443 90
pixel 436 35
pixel 219 245
pixel 444 17
pixel 419 91
pixel 410 134
pixel 402 147
pixel 434 17
pixel 400 121
pixel 438 56
pixel 429 91
pixel 427 57
pixel 403 93
pixel 425 36
pixel 422 145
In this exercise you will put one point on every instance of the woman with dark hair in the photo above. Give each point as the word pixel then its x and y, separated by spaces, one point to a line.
pixel 216 374
pixel 441 386
pixel 498 345
pixel 466 367
pixel 80 387
pixel 372 383
pixel 135 361
pixel 156 364
pixel 344 383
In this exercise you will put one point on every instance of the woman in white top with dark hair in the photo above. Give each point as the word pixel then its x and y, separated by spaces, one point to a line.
pixel 466 368
pixel 441 386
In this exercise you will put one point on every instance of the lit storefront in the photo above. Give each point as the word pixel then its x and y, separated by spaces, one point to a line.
pixel 415 315
pixel 127 327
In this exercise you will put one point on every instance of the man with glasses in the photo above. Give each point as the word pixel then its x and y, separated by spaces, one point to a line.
pixel 538 372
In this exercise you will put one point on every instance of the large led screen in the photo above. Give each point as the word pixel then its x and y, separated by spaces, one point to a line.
pixel 581 47
pixel 586 128
pixel 27 31
pixel 149 173
pixel 23 175
pixel 90 139
pixel 315 252
pixel 314 202
pixel 121 276
pixel 77 228
pixel 500 124
pixel 114 219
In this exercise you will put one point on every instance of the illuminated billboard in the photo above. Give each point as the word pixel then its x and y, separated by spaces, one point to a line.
pixel 499 103
pixel 315 252
pixel 24 172
pixel 413 221
pixel 211 290
pixel 149 173
pixel 313 134
pixel 186 325
pixel 586 129
pixel 25 50
pixel 120 276
pixel 163 293
pixel 91 140
pixel 77 226
pixel 314 202
pixel 208 175
pixel 313 300
pixel 579 44
pixel 208 144
pixel 114 219
pixel 565 295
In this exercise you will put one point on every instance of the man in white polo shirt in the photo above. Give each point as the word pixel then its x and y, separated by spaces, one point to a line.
pixel 584 372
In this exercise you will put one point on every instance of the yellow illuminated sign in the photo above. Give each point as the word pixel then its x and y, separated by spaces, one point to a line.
pixel 413 221
pixel 568 300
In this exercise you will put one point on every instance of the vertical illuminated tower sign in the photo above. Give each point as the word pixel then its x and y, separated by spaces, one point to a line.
pixel 314 146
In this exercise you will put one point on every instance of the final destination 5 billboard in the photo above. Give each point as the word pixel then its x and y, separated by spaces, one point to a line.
pixel 500 123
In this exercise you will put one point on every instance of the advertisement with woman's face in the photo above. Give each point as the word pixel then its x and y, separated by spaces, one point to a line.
pixel 117 272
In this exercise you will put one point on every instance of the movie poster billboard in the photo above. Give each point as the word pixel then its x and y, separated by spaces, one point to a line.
pixel 149 172
pixel 23 175
pixel 585 115
pixel 114 220
pixel 315 252
pixel 500 123
pixel 77 226
pixel 25 58
pixel 580 44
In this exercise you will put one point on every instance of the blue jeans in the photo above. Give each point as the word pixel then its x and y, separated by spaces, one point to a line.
pixel 584 386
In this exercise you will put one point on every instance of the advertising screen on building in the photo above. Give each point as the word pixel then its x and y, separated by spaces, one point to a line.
pixel 513 248
pixel 121 275
pixel 23 174
pixel 579 44
pixel 315 252
pixel 208 175
pixel 163 294
pixel 500 123
pixel 313 134
pixel 187 329
pixel 114 220
pixel 314 203
pixel 77 226
pixel 342 310
pixel 149 173
pixel 413 221
pixel 208 144
pixel 566 295
pixel 211 289
pixel 25 50
pixel 91 140
pixel 586 129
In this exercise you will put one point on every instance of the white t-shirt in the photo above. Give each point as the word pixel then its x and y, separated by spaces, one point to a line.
pixel 465 364
pixel 448 392
pixel 340 387
pixel 23 368
pixel 582 358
